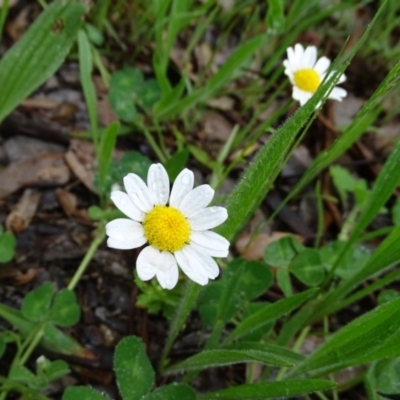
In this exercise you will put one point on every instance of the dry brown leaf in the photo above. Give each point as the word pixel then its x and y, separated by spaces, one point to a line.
pixel 251 247
pixel 22 213
pixel 68 202
pixel 216 127
pixel 81 159
pixel 40 170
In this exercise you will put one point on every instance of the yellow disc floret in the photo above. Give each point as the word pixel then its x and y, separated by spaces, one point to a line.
pixel 307 79
pixel 166 228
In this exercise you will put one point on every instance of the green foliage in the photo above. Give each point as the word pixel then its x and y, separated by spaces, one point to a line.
pixel 135 375
pixel 383 378
pixel 269 390
pixel 46 371
pixel 155 299
pixel 7 246
pixel 128 89
pixel 174 391
pixel 39 53
pixel 242 281
pixel 82 393
pixel 41 305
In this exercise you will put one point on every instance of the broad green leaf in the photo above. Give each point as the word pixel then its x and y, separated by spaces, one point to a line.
pixel 174 391
pixel 65 310
pixel 218 358
pixel 387 295
pixel 124 87
pixel 176 163
pixel 83 393
pixel 269 313
pixel 107 145
pixel 281 252
pixel 36 304
pixel 307 267
pixel 384 376
pixel 7 247
pixel 135 375
pixel 149 94
pixel 356 340
pixel 396 212
pixel 269 390
pixel 42 49
pixel 263 331
pixel 284 282
pixel 20 373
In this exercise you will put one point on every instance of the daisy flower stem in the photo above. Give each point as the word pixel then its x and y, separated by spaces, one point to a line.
pixel 186 304
pixel 156 148
pixel 99 237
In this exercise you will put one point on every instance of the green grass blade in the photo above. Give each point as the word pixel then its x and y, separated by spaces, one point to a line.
pixel 220 79
pixel 359 338
pixel 269 390
pixel 219 358
pixel 269 313
pixel 39 53
pixel 89 91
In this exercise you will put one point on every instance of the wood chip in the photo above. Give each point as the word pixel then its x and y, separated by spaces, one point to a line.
pixel 41 170
pixel 22 213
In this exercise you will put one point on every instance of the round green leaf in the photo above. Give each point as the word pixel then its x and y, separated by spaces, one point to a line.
pixel 122 103
pixel 36 304
pixel 307 267
pixel 82 393
pixel 65 310
pixel 135 375
pixel 281 252
pixel 7 247
pixel 149 94
pixel 175 391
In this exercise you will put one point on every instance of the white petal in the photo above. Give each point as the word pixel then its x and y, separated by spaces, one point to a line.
pixel 208 218
pixel 125 244
pixel 300 95
pixel 126 230
pixel 158 184
pixel 152 262
pixel 292 60
pixel 146 263
pixel 196 200
pixel 211 252
pixel 298 53
pixel 198 267
pixel 200 262
pixel 337 94
pixel 309 57
pixel 123 202
pixel 138 192
pixel 342 78
pixel 167 272
pixel 215 245
pixel 183 185
pixel 322 65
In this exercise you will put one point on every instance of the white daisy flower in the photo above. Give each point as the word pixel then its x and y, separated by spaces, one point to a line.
pixel 306 73
pixel 176 227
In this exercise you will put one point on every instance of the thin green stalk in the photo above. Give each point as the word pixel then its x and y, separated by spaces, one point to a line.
pixel 320 212
pixel 156 148
pixel 29 393
pixel 98 240
pixel 186 304
pixel 296 347
pixel 3 16
pixel 32 346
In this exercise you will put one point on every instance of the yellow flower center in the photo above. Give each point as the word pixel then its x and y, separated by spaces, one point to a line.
pixel 166 228
pixel 307 79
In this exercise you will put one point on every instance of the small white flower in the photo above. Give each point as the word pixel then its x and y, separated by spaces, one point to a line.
pixel 176 227
pixel 306 73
